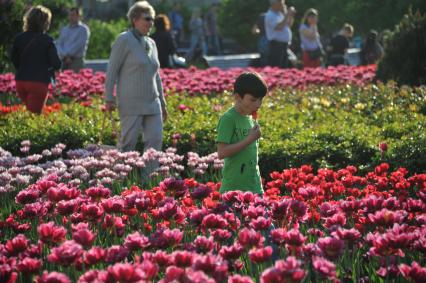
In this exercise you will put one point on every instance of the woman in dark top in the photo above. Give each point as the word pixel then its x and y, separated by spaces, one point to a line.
pixel 371 51
pixel 35 59
pixel 339 45
pixel 164 40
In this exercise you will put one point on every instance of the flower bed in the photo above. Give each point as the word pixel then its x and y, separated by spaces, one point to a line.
pixel 84 85
pixel 322 126
pixel 82 216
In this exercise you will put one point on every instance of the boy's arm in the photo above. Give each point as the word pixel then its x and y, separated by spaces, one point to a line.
pixel 227 150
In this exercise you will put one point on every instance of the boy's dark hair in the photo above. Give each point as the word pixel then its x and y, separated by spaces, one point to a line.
pixel 250 83
pixel 75 9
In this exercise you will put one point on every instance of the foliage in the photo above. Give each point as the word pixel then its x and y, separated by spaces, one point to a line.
pixel 241 15
pixel 405 58
pixel 102 36
pixel 322 126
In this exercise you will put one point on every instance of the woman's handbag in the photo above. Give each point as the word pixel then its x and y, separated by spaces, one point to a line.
pixel 176 62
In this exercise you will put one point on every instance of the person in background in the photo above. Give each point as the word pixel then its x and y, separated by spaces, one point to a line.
pixel 73 41
pixel 212 30
pixel 278 22
pixel 35 58
pixel 262 42
pixel 339 45
pixel 133 68
pixel 371 51
pixel 310 43
pixel 198 39
pixel 164 41
pixel 176 20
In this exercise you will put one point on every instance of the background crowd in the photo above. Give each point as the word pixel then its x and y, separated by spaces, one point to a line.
pixel 186 33
pixel 182 35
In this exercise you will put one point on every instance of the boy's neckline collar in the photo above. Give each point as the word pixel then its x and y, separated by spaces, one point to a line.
pixel 236 110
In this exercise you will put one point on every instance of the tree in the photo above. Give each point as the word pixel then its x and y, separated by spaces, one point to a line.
pixel 405 57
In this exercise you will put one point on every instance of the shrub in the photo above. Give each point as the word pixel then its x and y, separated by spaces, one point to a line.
pixel 405 57
pixel 322 126
pixel 102 36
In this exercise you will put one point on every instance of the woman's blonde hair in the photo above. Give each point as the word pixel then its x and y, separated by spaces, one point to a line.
pixel 37 19
pixel 310 12
pixel 139 8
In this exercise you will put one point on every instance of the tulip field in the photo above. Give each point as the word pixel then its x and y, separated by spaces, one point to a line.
pixel 81 213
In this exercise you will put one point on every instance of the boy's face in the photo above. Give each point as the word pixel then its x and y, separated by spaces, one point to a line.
pixel 248 103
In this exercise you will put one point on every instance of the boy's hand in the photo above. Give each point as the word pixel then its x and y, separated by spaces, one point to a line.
pixel 255 133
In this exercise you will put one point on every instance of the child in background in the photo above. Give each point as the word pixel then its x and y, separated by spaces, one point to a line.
pixel 238 134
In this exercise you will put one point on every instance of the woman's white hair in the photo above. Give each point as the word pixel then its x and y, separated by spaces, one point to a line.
pixel 139 8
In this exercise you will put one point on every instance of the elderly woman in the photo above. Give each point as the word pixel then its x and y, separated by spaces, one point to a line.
pixel 35 58
pixel 134 68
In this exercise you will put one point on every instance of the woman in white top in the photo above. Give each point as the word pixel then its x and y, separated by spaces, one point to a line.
pixel 310 40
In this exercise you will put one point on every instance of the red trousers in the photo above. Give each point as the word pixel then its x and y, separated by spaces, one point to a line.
pixel 32 94
pixel 308 62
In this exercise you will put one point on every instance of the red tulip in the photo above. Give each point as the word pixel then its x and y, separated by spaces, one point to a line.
pixel 284 271
pixel 174 274
pixel 125 272
pixel 183 258
pixel 66 254
pixel 240 279
pixel 324 268
pixel 116 254
pixel 415 272
pixel 203 244
pixel 97 193
pixel 16 245
pixel 52 277
pixel 259 255
pixel 27 196
pixel 294 238
pixel 7 274
pixel 29 265
pixel 49 233
pixel 84 237
pixel 250 238
pixel 113 204
pixel 331 247
pixel 94 256
pixel 221 235
pixel 261 223
pixel 93 276
pixel 136 241
pixel 91 211
pixel 383 146
pixel 214 221
pixel 162 258
pixel 232 252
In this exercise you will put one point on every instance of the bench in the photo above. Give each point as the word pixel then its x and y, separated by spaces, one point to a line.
pixel 96 64
pixel 231 61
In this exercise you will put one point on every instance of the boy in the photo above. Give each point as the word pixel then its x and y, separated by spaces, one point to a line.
pixel 238 134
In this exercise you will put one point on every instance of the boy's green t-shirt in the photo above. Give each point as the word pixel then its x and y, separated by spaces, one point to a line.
pixel 240 171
